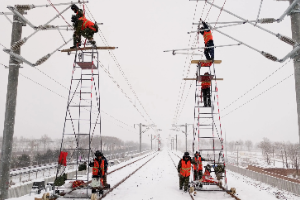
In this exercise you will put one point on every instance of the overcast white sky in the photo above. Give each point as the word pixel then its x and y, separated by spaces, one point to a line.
pixel 143 30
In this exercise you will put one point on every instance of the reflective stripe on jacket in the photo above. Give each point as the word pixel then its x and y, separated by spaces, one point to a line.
pixel 207 36
pixel 198 166
pixel 98 168
pixel 87 24
pixel 185 169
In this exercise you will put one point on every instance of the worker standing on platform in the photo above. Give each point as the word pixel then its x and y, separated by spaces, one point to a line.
pixel 198 167
pixel 184 171
pixel 205 89
pixel 83 27
pixel 209 51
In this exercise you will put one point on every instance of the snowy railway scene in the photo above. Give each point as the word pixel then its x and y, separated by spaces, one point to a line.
pixel 145 100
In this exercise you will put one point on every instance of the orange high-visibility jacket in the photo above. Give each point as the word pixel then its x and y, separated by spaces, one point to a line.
pixel 185 169
pixel 98 167
pixel 198 166
pixel 207 36
pixel 87 24
pixel 206 82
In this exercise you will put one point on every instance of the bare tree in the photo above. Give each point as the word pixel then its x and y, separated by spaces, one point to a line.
pixel 45 140
pixel 293 155
pixel 249 145
pixel 266 146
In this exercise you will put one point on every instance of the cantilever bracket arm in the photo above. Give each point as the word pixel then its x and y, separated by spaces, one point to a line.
pixel 18 57
pixel 39 62
pixel 15 11
pixel 288 11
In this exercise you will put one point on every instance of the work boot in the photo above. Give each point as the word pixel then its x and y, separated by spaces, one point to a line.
pixel 74 47
pixel 180 188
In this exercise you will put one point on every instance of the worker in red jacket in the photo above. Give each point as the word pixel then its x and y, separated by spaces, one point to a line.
pixel 205 89
pixel 209 51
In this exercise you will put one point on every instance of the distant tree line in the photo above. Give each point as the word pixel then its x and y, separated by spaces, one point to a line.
pixel 27 152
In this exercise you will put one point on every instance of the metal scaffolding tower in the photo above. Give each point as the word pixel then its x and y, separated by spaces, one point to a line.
pixel 83 117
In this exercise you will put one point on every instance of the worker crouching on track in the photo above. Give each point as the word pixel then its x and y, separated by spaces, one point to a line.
pixel 99 178
pixel 198 167
pixel 184 171
pixel 205 89
pixel 84 27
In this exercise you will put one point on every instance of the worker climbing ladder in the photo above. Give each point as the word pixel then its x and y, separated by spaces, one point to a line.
pixel 82 118
pixel 208 126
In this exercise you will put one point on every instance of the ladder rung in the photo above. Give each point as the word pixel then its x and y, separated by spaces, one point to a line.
pixel 79 119
pixel 89 74
pixel 205 125
pixel 210 149
pixel 82 92
pixel 202 107
pixel 208 137
pixel 80 106
pixel 77 149
pixel 85 99
pixel 81 79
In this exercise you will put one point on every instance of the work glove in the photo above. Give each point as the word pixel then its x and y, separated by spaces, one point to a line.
pixel 179 175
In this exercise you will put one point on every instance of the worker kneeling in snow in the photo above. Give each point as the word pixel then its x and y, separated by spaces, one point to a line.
pixel 184 171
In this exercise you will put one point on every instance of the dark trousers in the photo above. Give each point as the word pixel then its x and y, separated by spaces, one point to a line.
pixel 197 175
pixel 206 97
pixel 209 52
pixel 184 182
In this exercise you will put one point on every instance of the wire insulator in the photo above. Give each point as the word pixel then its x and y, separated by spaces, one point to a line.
pixel 24 7
pixel 287 40
pixel 42 60
pixel 45 27
pixel 269 56
pixel 267 20
pixel 18 44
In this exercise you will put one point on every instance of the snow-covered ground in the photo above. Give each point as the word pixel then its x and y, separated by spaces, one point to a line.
pixel 158 179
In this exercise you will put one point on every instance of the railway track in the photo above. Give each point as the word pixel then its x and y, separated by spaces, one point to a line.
pixel 228 192
pixel 128 176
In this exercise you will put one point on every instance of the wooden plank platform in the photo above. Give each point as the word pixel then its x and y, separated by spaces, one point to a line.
pixel 193 79
pixel 89 48
pixel 206 61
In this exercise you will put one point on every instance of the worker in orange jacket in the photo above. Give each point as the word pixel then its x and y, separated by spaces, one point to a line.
pixel 198 167
pixel 205 89
pixel 83 27
pixel 209 50
pixel 184 171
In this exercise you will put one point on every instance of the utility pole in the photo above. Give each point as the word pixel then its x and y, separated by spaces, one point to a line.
pixel 10 109
pixel 140 137
pixel 176 142
pixel 294 13
pixel 185 125
pixel 151 142
pixel 140 132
